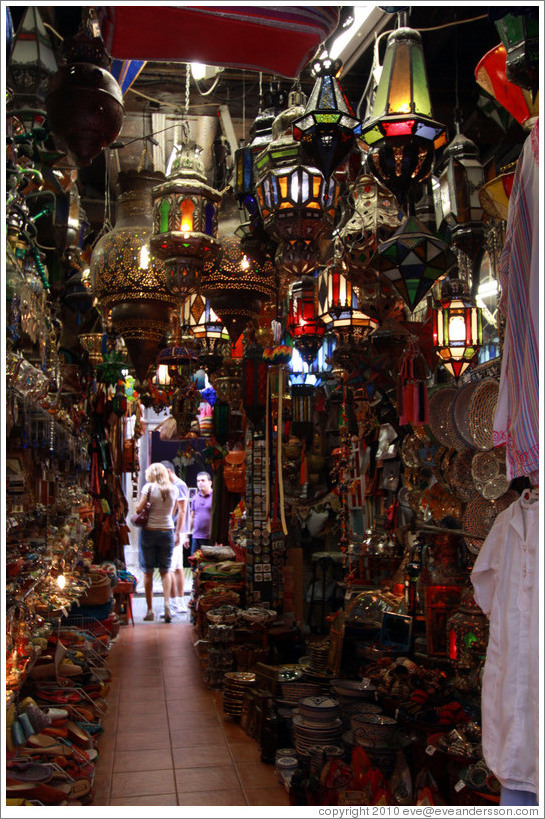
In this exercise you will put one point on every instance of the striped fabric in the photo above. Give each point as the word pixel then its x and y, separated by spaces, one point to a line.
pixel 516 422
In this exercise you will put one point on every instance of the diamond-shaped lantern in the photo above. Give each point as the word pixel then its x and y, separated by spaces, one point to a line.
pixel 457 329
pixel 236 286
pixel 338 307
pixel 295 201
pixel 457 195
pixel 185 220
pixel 401 134
pixel 413 259
pixel 302 322
pixel 327 130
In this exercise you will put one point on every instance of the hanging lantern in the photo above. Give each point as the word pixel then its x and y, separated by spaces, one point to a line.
pixel 84 103
pixel 457 195
pixel 304 378
pixel 491 74
pixel 296 203
pixel 376 216
pixel 32 64
pixel 401 135
pixel 457 329
pixel 494 195
pixel 244 173
pixel 467 633
pixel 413 259
pixel 227 381
pixel 520 35
pixel 78 295
pixel 204 325
pixel 185 220
pixel 236 286
pixel 302 323
pixel 327 130
pixel 338 307
pixel 179 355
pixel 125 277
pixel 161 388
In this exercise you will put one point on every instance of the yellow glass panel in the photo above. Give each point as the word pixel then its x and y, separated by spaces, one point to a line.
pixel 283 184
pixel 187 209
pixel 400 96
pixel 316 184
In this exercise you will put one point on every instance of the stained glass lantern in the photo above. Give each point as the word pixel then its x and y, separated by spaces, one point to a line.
pixel 491 74
pixel 244 175
pixel 457 330
pixel 302 323
pixel 185 220
pixel 296 203
pixel 401 133
pixel 32 64
pixel 338 307
pixel 520 35
pixel 206 326
pixel 413 259
pixel 327 130
pixel 254 384
pixel 236 286
pixel 494 195
pixel 304 378
pixel 467 633
pixel 457 200
pixel 84 102
pixel 127 279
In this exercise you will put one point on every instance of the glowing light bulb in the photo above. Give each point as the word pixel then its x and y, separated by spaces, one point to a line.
pixel 457 328
pixel 61 581
pixel 144 257
pixel 245 263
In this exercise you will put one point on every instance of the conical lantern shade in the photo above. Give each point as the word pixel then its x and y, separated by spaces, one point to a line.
pixel 413 259
pixel 490 74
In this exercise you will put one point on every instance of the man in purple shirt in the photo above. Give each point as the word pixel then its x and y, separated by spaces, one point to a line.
pixel 200 514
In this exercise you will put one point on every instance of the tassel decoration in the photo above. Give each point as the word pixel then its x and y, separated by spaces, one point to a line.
pixel 412 389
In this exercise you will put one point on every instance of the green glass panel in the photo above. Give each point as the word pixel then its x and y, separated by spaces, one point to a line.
pixel 379 106
pixel 164 210
pixel 421 93
pixel 327 117
pixel 373 135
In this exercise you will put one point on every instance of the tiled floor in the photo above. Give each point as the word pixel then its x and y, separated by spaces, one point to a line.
pixel 165 739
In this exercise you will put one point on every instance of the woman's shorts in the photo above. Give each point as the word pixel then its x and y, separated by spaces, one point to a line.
pixel 156 547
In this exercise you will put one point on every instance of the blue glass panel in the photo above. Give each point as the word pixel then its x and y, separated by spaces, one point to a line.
pixel 209 219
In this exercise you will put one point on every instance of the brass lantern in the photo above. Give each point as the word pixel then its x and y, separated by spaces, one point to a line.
pixel 401 134
pixel 338 307
pixel 296 203
pixel 457 194
pixel 127 279
pixel 457 329
pixel 236 286
pixel 185 220
pixel 32 64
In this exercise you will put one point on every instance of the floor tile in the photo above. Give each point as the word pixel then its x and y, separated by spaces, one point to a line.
pixel 229 797
pixel 206 736
pixel 138 784
pixel 156 759
pixel 137 723
pixel 245 752
pixel 202 757
pixel 267 796
pixel 218 778
pixel 233 732
pixel 257 776
pixel 152 708
pixel 155 799
pixel 184 718
pixel 132 741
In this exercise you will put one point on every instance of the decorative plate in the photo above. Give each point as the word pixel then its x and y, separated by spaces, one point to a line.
pixel 460 475
pixel 480 414
pixel 479 516
pixel 440 416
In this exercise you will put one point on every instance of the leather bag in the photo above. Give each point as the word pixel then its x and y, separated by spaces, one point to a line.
pixel 234 471
pixel 141 518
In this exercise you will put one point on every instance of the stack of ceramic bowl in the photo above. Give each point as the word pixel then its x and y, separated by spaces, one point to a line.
pixel 285 763
pixel 374 730
pixel 235 686
pixel 319 657
pixel 351 691
pixel 316 721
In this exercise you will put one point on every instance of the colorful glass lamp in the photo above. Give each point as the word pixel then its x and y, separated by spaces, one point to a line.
pixel 327 130
pixel 401 134
pixel 520 35
pixel 457 329
pixel 338 307
pixel 206 326
pixel 302 323
pixel 32 64
pixel 491 74
pixel 185 220
pixel 413 259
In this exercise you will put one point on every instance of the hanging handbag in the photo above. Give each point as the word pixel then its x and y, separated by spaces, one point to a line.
pixel 141 518
pixel 234 471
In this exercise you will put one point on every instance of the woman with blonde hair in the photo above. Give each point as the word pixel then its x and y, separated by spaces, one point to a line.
pixel 157 537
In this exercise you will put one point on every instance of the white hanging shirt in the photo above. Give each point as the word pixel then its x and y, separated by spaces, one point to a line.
pixel 505 578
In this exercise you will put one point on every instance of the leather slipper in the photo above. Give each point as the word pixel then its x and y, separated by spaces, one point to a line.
pixel 28 771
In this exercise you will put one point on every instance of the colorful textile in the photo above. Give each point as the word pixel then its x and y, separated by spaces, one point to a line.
pixel 516 423
pixel 274 39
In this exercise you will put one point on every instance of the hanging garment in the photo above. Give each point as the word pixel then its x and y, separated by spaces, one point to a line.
pixel 506 582
pixel 516 423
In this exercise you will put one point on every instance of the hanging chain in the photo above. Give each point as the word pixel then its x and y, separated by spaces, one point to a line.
pixel 187 87
pixel 260 90
pixel 243 105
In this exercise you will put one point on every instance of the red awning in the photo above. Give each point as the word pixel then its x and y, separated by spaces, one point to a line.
pixel 274 39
